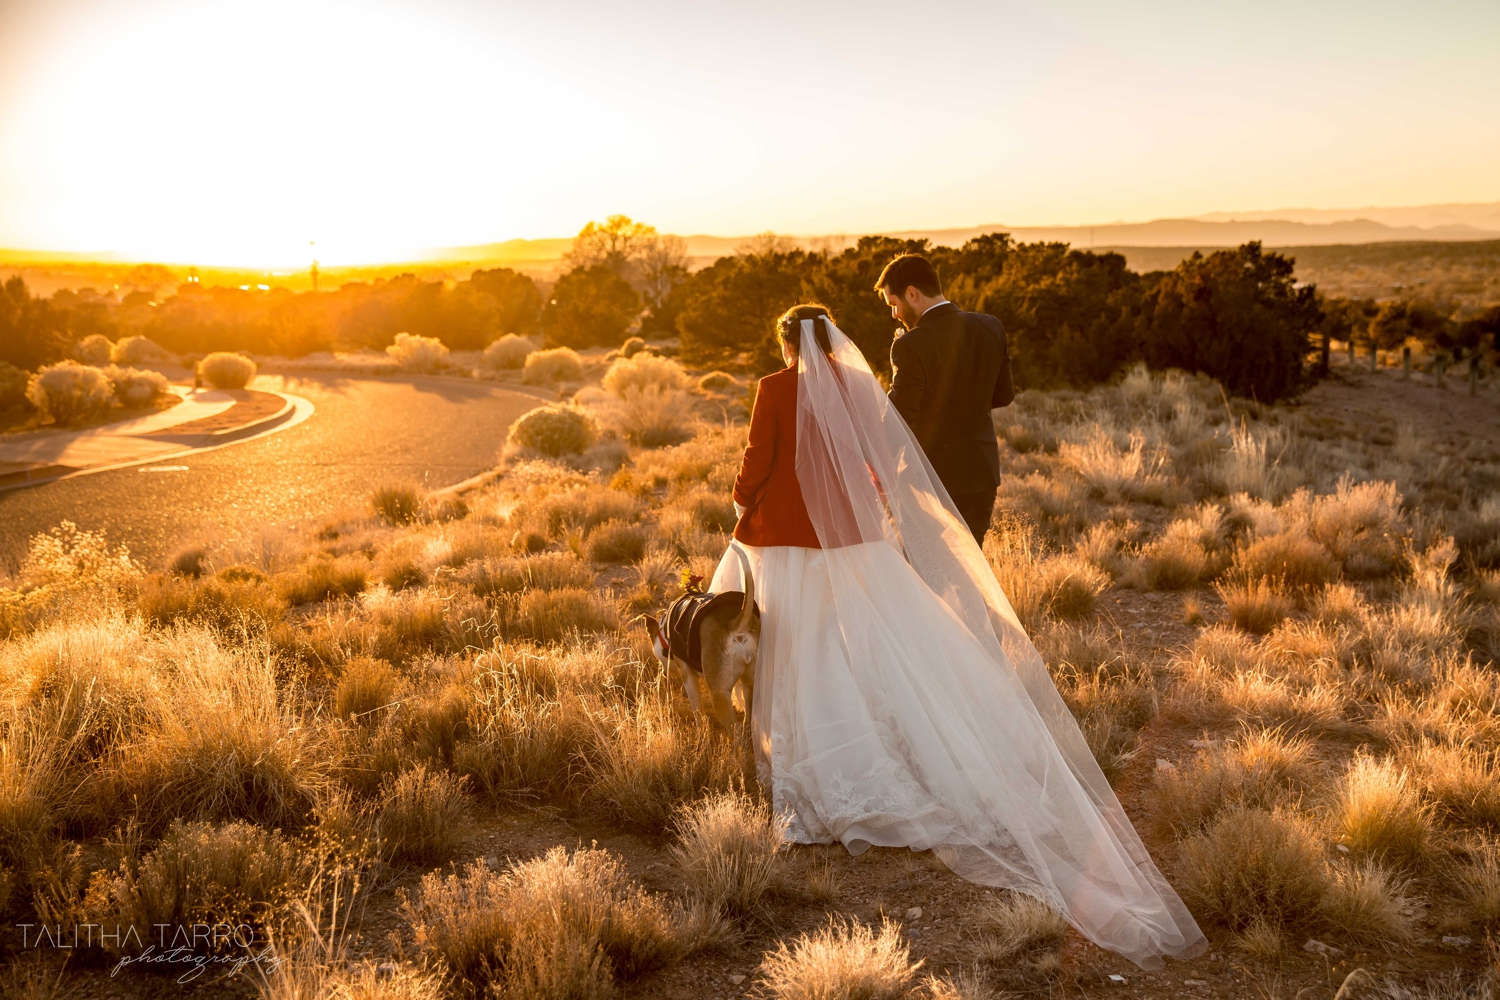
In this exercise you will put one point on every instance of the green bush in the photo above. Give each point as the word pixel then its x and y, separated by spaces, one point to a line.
pixel 555 430
pixel 95 349
pixel 136 386
pixel 590 307
pixel 138 351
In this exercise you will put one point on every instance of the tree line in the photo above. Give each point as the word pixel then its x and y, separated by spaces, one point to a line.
pixel 1075 318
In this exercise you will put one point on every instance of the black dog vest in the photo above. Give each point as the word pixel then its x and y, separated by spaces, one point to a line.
pixel 681 626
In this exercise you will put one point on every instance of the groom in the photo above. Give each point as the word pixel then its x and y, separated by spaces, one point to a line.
pixel 948 370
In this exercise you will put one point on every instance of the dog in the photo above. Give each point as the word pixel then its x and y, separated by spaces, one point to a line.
pixel 711 641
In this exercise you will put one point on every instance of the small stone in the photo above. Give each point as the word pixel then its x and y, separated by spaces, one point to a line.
pixel 1317 947
pixel 914 913
pixel 1457 941
pixel 387 968
pixel 736 979
pixel 914 932
pixel 1203 744
pixel 1342 848
pixel 1162 764
pixel 1116 978
pixel 492 862
pixel 1195 982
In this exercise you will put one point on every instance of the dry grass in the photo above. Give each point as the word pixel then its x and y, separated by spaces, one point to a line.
pixel 360 686
pixel 845 960
pixel 1380 812
pixel 1255 604
pixel 560 925
pixel 1251 864
pixel 397 504
pixel 727 850
pixel 421 816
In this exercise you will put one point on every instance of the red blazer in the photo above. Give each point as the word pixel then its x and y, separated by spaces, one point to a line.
pixel 767 483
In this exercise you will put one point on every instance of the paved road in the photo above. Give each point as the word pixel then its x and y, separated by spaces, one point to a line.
pixel 365 433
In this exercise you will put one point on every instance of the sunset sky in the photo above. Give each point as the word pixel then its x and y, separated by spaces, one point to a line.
pixel 237 132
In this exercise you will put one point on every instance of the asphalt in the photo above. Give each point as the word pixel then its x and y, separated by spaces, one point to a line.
pixel 365 433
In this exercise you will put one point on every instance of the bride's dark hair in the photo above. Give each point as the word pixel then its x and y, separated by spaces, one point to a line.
pixel 789 326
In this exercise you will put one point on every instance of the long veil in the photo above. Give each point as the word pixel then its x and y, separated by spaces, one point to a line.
pixel 866 480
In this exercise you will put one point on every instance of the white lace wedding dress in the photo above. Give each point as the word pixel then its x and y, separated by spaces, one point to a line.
pixel 898 703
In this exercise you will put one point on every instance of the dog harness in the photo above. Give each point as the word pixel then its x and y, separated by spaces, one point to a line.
pixel 679 633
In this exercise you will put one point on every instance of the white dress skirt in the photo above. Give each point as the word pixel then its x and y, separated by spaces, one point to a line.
pixel 879 720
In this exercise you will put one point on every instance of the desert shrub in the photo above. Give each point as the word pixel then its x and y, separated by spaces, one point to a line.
pixel 188 561
pixel 616 542
pixel 1114 472
pixel 227 370
pixel 138 351
pixel 13 387
pixel 547 571
pixel 727 845
pixel 365 685
pixel 397 504
pixel 323 578
pixel 559 925
pixel 225 606
pixel 650 416
pixel 1179 558
pixel 136 386
pixel 1111 702
pixel 1367 903
pixel 1462 782
pixel 68 392
pixel 1014 924
pixel 645 760
pixel 632 347
pixel 555 430
pixel 399 567
pixel 1039 584
pixel 415 353
pixel 644 371
pixel 712 458
pixel 1289 556
pixel 553 615
pixel 559 364
pixel 224 739
pixel 717 381
pixel 421 816
pixel 198 873
pixel 1251 865
pixel 1262 769
pixel 703 508
pixel 510 351
pixel 844 960
pixel 1361 524
pixel 1380 812
pixel 95 349
pixel 1255 605
pixel 1252 463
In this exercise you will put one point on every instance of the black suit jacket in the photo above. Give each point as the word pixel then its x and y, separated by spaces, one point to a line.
pixel 947 373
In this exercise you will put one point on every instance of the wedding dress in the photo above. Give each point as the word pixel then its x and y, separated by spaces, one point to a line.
pixel 899 703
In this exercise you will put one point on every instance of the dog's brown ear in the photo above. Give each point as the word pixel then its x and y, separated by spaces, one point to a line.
pixel 744 618
pixel 652 625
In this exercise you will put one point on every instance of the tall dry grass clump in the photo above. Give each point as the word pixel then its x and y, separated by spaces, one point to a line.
pixel 564 924
pixel 1012 925
pixel 227 370
pixel 1380 812
pixel 727 848
pixel 421 816
pixel 1252 865
pixel 397 504
pixel 844 960
pixel 1037 583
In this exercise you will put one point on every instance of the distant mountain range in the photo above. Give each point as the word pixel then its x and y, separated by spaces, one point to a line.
pixel 1298 227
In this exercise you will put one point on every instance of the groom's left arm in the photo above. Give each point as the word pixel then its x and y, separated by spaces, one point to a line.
pixel 908 380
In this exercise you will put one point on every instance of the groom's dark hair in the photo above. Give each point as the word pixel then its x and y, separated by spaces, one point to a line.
pixel 907 271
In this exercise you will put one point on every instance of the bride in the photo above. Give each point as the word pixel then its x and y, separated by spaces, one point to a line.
pixel 898 702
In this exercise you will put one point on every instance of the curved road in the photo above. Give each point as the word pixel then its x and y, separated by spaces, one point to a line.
pixel 366 433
